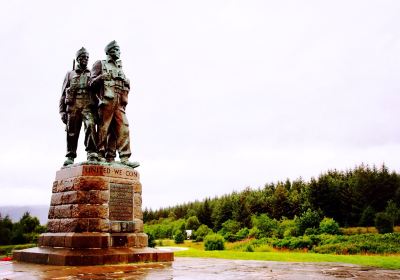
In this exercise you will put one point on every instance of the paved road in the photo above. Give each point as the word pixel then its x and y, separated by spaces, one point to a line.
pixel 199 268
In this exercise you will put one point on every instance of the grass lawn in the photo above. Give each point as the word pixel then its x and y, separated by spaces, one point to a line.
pixel 196 250
pixel 6 250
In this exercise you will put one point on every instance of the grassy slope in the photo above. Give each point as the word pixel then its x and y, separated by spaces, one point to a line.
pixel 196 250
pixel 392 262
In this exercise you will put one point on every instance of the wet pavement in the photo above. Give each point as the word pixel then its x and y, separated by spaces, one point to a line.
pixel 198 268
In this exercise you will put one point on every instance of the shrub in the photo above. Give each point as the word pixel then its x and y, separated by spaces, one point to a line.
pixel 383 222
pixel 356 244
pixel 192 223
pixel 242 233
pixel 179 237
pixel 152 240
pixel 328 225
pixel 249 248
pixel 287 228
pixel 165 228
pixel 214 242
pixel 311 231
pixel 254 232
pixel 202 232
pixel 229 227
pixel 267 227
pixel 309 219
pixel 292 243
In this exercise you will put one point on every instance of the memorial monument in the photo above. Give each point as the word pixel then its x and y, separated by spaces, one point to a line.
pixel 95 214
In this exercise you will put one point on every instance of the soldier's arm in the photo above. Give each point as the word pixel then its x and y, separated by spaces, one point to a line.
pixel 96 74
pixel 62 106
pixel 127 83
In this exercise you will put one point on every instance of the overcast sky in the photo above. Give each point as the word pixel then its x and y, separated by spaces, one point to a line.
pixel 225 94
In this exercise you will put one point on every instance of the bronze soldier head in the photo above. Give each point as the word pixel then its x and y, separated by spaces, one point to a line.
pixel 82 57
pixel 112 50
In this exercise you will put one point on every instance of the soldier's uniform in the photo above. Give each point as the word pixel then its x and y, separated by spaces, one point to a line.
pixel 76 106
pixel 112 95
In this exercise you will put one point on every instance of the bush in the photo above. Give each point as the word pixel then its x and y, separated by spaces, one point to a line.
pixel 383 222
pixel 254 232
pixel 192 223
pixel 202 232
pixel 311 231
pixel 165 228
pixel 309 219
pixel 229 227
pixel 249 248
pixel 267 227
pixel 242 233
pixel 152 240
pixel 329 226
pixel 214 242
pixel 179 237
pixel 356 244
pixel 301 242
pixel 287 228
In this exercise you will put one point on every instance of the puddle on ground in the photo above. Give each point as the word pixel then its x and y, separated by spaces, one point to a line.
pixel 198 268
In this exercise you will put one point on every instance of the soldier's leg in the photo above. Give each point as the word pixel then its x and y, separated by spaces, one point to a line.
pixel 106 112
pixel 123 141
pixel 90 135
pixel 74 124
pixel 122 133
pixel 111 150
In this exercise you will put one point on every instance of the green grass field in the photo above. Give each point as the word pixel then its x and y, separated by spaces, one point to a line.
pixel 6 250
pixel 196 250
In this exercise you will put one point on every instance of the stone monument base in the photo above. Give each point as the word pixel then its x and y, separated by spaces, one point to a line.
pixel 95 218
pixel 100 256
pixel 92 240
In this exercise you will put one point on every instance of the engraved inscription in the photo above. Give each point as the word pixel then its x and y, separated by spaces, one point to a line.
pixel 97 170
pixel 121 202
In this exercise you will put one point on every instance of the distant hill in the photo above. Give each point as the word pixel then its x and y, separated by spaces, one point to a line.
pixel 16 212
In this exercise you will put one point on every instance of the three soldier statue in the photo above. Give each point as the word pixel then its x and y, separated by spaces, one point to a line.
pixel 97 98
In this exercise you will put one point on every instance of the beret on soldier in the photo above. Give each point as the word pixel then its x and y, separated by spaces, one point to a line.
pixel 81 51
pixel 111 45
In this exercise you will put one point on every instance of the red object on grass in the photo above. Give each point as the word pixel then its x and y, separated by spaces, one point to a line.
pixel 6 259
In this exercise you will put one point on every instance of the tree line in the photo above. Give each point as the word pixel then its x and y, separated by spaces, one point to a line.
pixel 353 197
pixel 26 230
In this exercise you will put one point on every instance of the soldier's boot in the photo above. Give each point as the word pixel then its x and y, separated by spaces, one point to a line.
pixel 133 164
pixel 92 157
pixel 101 157
pixel 68 161
pixel 110 160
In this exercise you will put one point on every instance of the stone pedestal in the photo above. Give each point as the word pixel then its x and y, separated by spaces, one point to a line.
pixel 95 217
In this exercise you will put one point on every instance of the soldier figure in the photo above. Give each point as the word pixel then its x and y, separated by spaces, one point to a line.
pixel 77 106
pixel 111 86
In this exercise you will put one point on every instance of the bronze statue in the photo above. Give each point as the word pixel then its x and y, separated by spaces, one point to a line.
pixel 77 106
pixel 111 88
